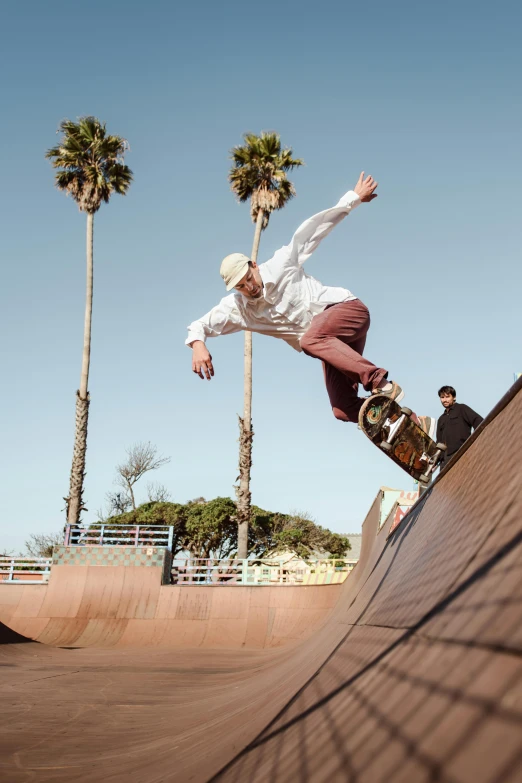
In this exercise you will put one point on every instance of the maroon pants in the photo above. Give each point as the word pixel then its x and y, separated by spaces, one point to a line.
pixel 337 336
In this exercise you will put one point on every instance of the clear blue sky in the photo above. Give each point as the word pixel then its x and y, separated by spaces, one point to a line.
pixel 424 96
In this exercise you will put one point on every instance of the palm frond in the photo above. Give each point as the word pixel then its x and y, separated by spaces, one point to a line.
pixel 259 171
pixel 90 163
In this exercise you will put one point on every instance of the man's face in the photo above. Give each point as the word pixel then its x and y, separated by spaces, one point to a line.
pixel 447 400
pixel 251 284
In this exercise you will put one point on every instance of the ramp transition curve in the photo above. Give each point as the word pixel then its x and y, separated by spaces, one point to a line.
pixel 415 675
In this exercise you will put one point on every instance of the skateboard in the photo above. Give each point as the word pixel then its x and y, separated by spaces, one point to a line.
pixel 391 427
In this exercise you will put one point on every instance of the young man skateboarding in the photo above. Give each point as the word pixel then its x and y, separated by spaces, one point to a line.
pixel 456 423
pixel 279 299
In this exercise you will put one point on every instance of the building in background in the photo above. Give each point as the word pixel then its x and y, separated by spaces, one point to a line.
pixel 352 555
pixel 395 504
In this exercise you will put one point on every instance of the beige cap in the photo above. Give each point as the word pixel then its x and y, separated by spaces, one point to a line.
pixel 233 268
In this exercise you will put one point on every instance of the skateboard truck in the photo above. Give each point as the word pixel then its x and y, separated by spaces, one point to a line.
pixel 433 462
pixel 386 445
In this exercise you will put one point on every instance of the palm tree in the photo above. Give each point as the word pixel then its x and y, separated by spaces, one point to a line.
pixel 258 174
pixel 90 169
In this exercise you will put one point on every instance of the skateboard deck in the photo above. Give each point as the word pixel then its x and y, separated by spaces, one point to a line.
pixel 390 426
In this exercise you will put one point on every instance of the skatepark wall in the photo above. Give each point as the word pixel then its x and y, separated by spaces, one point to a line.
pixel 107 596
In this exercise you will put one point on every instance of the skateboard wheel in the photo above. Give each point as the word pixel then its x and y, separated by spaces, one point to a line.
pixel 441 446
pixel 406 411
pixel 424 479
pixel 385 446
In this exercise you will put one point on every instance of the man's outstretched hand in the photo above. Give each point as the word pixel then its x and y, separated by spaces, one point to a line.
pixel 366 188
pixel 201 360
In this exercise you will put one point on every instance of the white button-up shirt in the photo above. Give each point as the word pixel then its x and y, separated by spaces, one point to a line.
pixel 290 297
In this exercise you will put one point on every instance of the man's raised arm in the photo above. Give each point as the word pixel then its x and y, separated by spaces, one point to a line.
pixel 315 229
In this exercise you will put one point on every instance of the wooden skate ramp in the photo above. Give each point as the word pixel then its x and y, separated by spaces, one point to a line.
pixel 127 606
pixel 415 676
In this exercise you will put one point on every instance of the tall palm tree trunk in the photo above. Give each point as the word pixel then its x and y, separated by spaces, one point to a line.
pixel 75 500
pixel 246 433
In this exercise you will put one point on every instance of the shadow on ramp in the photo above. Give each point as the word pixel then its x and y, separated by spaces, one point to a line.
pixel 8 636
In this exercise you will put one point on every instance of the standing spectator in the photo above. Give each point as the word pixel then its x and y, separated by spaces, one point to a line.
pixel 456 423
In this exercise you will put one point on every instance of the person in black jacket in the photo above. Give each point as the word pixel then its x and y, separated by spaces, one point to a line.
pixel 456 423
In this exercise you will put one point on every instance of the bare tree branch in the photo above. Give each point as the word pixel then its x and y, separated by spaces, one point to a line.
pixel 141 458
pixel 157 493
pixel 117 503
pixel 41 544
pixel 101 515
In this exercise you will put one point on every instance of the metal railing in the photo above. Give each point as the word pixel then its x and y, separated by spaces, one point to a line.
pixel 189 571
pixel 120 535
pixel 25 569
pixel 209 571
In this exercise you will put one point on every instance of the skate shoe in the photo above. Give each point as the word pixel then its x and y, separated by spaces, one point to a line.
pixel 390 389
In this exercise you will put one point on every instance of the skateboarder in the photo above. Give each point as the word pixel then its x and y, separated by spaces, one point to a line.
pixel 456 423
pixel 279 299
